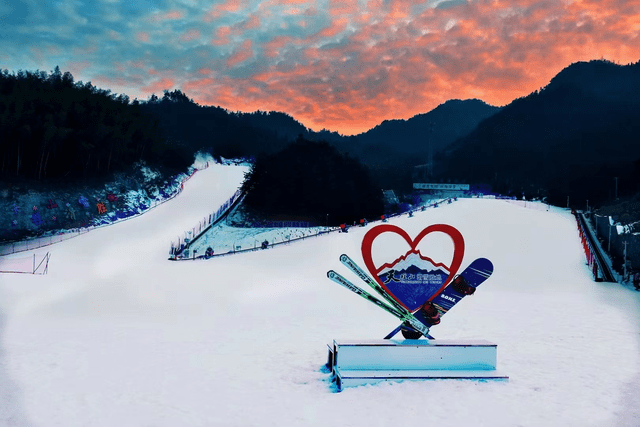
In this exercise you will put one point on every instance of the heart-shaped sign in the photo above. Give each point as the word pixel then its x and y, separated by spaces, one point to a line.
pixel 413 278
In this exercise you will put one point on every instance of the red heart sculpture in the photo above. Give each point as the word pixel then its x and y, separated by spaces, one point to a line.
pixel 458 253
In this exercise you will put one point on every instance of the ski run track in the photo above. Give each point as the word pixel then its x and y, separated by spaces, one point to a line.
pixel 117 335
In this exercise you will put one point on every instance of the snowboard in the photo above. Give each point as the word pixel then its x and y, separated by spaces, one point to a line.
pixel 462 285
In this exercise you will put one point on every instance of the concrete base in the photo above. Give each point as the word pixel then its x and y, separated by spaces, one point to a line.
pixel 355 363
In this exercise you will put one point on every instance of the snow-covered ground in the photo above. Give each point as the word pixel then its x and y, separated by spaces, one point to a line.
pixel 116 335
pixel 223 238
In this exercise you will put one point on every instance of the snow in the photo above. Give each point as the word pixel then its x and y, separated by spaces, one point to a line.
pixel 116 334
pixel 223 238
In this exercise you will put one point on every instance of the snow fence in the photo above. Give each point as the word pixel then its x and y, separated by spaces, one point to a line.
pixel 191 236
pixel 181 251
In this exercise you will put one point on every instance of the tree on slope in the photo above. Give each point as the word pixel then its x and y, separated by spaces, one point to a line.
pixel 311 181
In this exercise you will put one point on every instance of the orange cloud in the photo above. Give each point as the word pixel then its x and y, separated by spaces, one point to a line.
pixel 401 58
pixel 166 16
pixel 273 46
pixel 230 6
pixel 198 85
pixel 222 34
pixel 337 26
pixel 252 22
pixel 158 86
pixel 77 67
pixel 189 35
pixel 220 9
pixel 242 54
pixel 142 37
pixel 272 3
pixel 174 14
pixel 343 7
pixel 292 11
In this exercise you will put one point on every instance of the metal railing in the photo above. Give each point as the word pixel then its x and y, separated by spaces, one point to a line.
pixel 235 250
pixel 191 236
pixel 595 258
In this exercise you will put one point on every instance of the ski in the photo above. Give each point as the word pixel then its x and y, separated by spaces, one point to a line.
pixel 403 314
pixel 358 271
pixel 355 268
pixel 464 284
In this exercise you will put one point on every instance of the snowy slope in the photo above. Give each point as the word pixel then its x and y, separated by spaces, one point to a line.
pixel 117 335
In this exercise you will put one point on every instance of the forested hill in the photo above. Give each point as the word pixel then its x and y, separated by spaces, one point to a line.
pixel 52 127
pixel 394 147
pixel 570 139
pixel 223 133
pixel 232 134
pixel 441 127
pixel 391 149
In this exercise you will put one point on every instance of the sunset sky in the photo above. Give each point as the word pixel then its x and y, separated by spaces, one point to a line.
pixel 341 65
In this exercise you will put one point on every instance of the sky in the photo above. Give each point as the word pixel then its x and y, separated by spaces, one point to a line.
pixel 341 65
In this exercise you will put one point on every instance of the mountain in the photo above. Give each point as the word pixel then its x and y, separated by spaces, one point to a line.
pixel 570 139
pixel 390 150
pixel 394 147
pixel 440 126
pixel 411 258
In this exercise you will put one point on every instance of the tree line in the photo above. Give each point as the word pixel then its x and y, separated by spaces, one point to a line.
pixel 53 127
pixel 571 139
pixel 311 181
pixel 218 131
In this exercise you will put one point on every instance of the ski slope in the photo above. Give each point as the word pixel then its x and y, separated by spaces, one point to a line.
pixel 116 335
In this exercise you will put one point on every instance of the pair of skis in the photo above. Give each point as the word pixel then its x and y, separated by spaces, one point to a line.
pixel 463 284
pixel 395 308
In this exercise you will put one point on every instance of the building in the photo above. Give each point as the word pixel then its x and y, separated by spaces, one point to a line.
pixel 430 191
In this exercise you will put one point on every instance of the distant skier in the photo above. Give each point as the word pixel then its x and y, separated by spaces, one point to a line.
pixel 636 281
pixel 208 253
